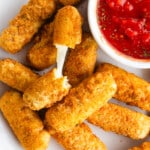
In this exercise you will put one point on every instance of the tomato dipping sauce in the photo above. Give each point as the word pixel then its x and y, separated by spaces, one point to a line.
pixel 126 25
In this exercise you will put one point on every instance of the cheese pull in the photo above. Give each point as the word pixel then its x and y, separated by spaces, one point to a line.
pixel 67 33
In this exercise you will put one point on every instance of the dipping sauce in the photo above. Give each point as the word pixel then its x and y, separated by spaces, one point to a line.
pixel 126 25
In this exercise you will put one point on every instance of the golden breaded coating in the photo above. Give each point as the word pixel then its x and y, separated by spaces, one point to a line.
pixel 68 30
pixel 80 62
pixel 25 123
pixel 43 53
pixel 131 89
pixel 22 28
pixel 69 2
pixel 121 120
pixel 144 146
pixel 79 138
pixel 16 75
pixel 45 91
pixel 82 100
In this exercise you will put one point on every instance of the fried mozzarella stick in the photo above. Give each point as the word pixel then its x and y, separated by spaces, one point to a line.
pixel 121 120
pixel 69 2
pixel 24 122
pixel 80 62
pixel 43 53
pixel 22 28
pixel 16 75
pixel 79 138
pixel 67 32
pixel 82 100
pixel 130 88
pixel 144 146
pixel 46 90
pixel 67 27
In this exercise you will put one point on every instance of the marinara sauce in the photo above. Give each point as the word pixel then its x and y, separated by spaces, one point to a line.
pixel 126 25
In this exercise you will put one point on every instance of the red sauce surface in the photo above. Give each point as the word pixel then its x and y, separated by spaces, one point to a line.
pixel 126 25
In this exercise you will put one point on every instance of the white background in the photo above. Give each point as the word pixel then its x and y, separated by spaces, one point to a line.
pixel 8 9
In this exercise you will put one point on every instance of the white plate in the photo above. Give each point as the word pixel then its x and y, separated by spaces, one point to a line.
pixel 8 9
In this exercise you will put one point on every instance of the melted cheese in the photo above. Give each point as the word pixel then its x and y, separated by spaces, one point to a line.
pixel 61 55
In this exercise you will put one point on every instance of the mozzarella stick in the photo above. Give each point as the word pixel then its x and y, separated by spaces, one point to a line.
pixel 69 2
pixel 67 33
pixel 46 90
pixel 82 100
pixel 80 62
pixel 22 28
pixel 24 122
pixel 16 75
pixel 144 146
pixel 130 88
pixel 79 138
pixel 68 30
pixel 121 120
pixel 43 53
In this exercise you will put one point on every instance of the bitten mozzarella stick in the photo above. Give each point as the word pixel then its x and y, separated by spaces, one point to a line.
pixel 144 146
pixel 130 88
pixel 16 75
pixel 121 120
pixel 67 33
pixel 69 2
pixel 46 90
pixel 24 122
pixel 80 62
pixel 79 138
pixel 43 53
pixel 22 28
pixel 82 100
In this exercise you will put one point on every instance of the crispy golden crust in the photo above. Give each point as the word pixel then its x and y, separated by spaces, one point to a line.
pixel 16 75
pixel 43 53
pixel 79 138
pixel 25 123
pixel 22 28
pixel 121 120
pixel 131 89
pixel 67 25
pixel 45 91
pixel 80 62
pixel 144 146
pixel 69 2
pixel 81 102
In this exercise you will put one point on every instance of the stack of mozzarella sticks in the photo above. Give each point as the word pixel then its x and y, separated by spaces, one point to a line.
pixel 70 95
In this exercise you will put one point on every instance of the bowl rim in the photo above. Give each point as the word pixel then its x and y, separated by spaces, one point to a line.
pixel 106 46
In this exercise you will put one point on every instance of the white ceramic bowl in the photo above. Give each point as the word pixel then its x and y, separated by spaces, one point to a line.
pixel 106 46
